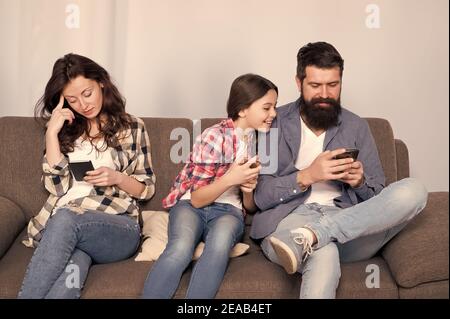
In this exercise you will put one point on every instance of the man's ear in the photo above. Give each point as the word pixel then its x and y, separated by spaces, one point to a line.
pixel 299 83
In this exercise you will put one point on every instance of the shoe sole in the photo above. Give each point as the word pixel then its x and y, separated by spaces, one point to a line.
pixel 285 255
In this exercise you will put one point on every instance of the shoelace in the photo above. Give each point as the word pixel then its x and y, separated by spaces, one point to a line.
pixel 306 245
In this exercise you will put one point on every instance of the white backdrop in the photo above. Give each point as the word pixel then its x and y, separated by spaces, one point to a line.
pixel 174 58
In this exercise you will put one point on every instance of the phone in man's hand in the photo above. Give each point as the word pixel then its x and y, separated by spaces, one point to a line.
pixel 79 169
pixel 349 153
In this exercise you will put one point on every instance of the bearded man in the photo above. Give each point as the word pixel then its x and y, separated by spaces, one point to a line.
pixel 318 209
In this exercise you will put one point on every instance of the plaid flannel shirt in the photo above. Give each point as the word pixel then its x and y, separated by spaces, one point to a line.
pixel 132 157
pixel 213 153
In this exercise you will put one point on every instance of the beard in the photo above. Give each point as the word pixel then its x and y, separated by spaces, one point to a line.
pixel 319 117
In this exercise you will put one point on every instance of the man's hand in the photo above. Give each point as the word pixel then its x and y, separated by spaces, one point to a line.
pixel 325 168
pixel 355 175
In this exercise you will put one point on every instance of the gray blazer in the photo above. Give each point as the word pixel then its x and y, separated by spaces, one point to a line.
pixel 277 193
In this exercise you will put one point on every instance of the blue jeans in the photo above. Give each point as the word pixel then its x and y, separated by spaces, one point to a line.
pixel 70 243
pixel 220 226
pixel 351 234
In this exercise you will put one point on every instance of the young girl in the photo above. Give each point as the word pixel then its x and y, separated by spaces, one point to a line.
pixel 95 219
pixel 205 200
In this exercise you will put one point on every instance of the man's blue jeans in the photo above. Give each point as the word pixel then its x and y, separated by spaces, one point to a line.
pixel 70 243
pixel 219 225
pixel 359 232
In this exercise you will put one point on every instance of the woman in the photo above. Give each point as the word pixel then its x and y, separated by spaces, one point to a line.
pixel 93 220
pixel 211 192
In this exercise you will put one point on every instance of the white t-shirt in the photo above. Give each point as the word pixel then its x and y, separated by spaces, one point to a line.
pixel 311 146
pixel 231 195
pixel 85 151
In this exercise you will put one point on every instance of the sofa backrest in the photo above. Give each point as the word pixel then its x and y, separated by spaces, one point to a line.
pixel 160 130
pixel 386 145
pixel 21 151
pixel 22 146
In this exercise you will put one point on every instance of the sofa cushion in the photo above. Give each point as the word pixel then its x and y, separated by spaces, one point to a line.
pixel 155 233
pixel 159 131
pixel 12 221
pixel 429 290
pixel 23 172
pixel 13 266
pixel 419 253
pixel 123 279
pixel 402 155
pixel 250 276
pixel 352 284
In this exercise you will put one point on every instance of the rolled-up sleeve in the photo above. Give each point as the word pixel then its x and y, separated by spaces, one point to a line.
pixel 374 179
pixel 206 157
pixel 56 178
pixel 274 190
pixel 143 171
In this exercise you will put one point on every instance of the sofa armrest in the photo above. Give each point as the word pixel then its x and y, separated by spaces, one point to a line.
pixel 12 221
pixel 419 253
pixel 402 155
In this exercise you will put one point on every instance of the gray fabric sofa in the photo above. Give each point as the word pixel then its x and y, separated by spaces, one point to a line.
pixel 414 264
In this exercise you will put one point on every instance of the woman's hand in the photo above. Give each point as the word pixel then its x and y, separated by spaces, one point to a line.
pixel 103 176
pixel 59 116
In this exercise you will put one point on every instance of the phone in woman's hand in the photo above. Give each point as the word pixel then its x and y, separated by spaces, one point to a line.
pixel 79 169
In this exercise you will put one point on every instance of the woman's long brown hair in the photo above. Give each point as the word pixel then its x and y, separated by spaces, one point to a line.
pixel 66 69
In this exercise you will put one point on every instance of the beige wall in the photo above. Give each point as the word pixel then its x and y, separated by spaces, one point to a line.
pixel 178 58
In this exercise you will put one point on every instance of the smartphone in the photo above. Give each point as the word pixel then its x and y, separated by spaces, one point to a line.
pixel 349 153
pixel 255 164
pixel 79 169
pixel 252 165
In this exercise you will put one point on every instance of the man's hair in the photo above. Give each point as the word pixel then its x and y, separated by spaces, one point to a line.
pixel 319 54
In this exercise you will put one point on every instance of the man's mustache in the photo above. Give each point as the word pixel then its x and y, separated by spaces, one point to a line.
pixel 319 100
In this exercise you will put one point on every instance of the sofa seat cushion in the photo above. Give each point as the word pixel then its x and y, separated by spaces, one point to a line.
pixel 12 221
pixel 352 284
pixel 13 266
pixel 123 279
pixel 419 253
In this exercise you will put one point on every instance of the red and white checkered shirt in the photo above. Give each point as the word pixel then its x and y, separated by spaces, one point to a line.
pixel 213 153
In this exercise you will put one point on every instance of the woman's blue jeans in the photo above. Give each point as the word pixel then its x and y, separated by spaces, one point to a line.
pixel 70 243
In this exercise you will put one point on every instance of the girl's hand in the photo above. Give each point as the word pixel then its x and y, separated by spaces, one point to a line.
pixel 59 116
pixel 249 186
pixel 239 173
pixel 103 176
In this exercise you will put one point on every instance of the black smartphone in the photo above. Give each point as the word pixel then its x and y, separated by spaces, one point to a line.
pixel 349 153
pixel 79 169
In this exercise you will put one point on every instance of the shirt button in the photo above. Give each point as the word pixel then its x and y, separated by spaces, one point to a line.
pixel 295 191
pixel 281 199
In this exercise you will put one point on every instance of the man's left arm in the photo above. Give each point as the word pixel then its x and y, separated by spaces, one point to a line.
pixel 373 179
